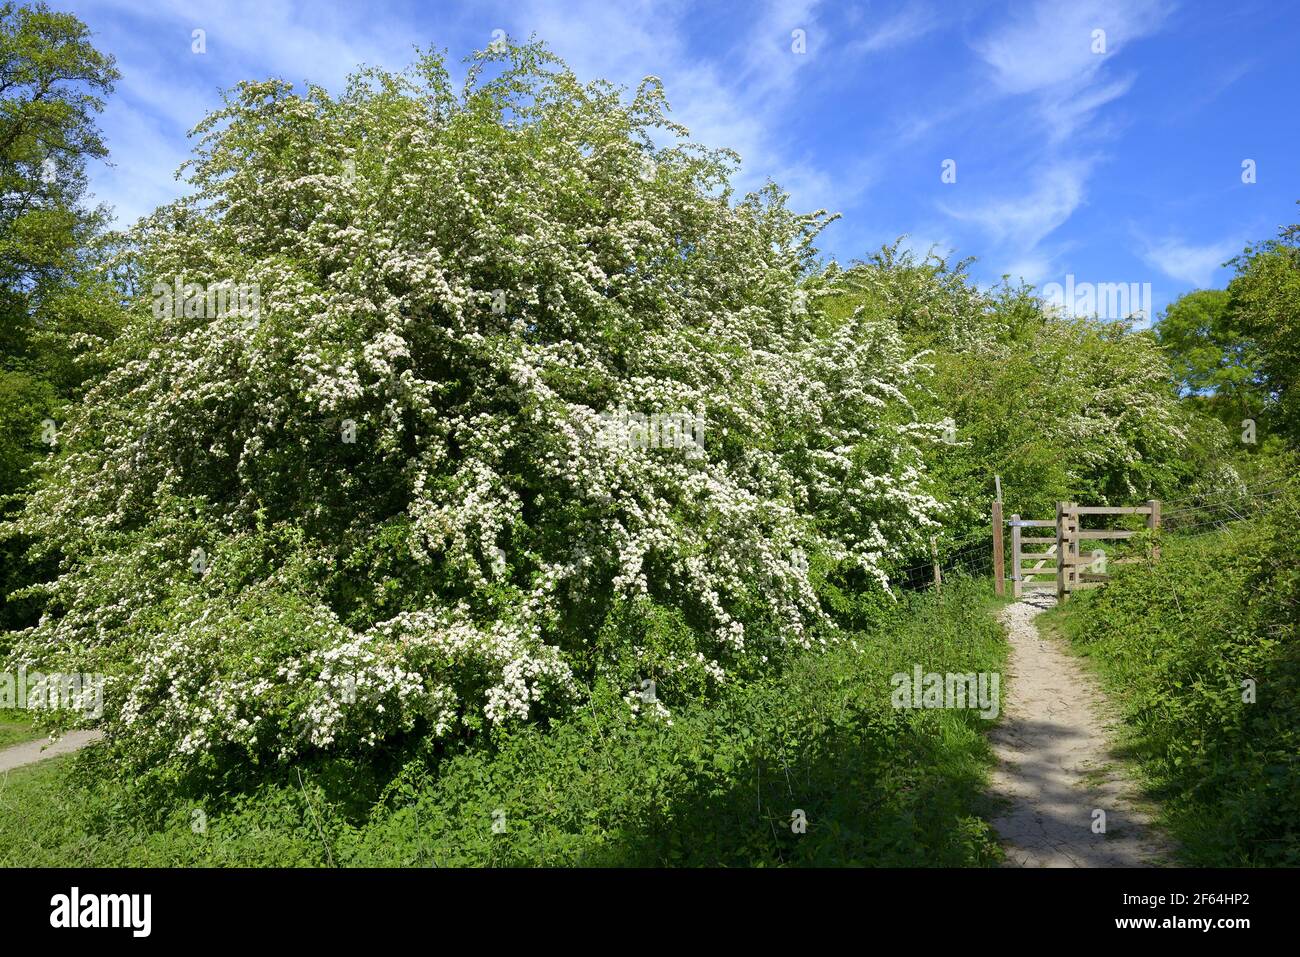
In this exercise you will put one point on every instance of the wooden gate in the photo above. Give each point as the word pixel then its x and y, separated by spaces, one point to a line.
pixel 1064 559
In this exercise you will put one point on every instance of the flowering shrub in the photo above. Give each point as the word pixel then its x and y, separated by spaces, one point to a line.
pixel 382 503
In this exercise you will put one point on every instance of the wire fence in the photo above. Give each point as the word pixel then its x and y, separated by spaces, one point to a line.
pixel 974 557
pixel 1229 508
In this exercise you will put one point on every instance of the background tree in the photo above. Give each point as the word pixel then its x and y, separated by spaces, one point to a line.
pixel 1215 363
pixel 55 311
pixel 1264 301
pixel 1063 408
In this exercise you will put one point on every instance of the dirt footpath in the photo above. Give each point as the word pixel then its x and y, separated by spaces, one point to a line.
pixel 1055 766
pixel 32 751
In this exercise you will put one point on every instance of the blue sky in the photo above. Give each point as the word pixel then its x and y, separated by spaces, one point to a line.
pixel 1122 166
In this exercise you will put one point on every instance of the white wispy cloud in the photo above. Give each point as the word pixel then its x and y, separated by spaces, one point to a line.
pixel 1192 263
pixel 1050 45
pixel 1046 89
pixel 1050 51
pixel 1024 219
pixel 911 23
pixel 1031 269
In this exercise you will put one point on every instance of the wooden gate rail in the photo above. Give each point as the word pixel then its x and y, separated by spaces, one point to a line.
pixel 1071 569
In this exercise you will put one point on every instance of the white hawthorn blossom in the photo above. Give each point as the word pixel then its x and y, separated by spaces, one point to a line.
pixel 476 553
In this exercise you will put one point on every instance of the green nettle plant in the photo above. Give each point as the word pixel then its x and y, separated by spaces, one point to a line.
pixel 386 499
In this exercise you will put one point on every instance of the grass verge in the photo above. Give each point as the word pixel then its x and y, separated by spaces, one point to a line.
pixel 15 728
pixel 1200 653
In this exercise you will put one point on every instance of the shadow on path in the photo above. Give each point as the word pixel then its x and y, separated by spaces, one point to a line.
pixel 1056 767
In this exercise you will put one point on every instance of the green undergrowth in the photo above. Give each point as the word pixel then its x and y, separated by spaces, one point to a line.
pixel 1200 653
pixel 720 783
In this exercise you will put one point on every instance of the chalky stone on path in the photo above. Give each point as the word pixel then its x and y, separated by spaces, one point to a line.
pixel 32 751
pixel 1055 766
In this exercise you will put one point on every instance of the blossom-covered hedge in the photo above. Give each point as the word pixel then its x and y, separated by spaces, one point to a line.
pixel 375 491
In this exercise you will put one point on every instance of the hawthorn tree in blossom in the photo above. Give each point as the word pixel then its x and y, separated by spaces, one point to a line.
pixel 380 502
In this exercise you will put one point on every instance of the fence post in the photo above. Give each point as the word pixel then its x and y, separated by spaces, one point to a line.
pixel 934 559
pixel 1015 556
pixel 999 581
pixel 1153 523
pixel 1073 526
pixel 1062 552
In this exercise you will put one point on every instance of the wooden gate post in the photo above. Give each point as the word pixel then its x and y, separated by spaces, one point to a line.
pixel 1062 552
pixel 934 560
pixel 1073 525
pixel 999 582
pixel 1015 556
pixel 1153 523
